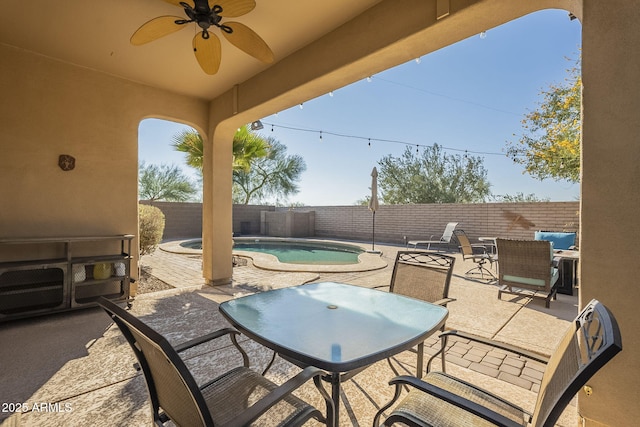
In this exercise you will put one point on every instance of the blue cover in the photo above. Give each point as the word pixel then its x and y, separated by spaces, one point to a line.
pixel 560 240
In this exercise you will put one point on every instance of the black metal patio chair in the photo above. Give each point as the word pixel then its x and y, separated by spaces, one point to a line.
pixel 236 398
pixel 443 400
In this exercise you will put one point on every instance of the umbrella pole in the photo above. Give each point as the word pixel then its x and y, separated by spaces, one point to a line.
pixel 373 236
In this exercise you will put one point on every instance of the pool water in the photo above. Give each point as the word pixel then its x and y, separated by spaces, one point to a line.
pixel 293 252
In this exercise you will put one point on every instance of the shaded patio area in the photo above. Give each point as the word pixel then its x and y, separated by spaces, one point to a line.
pixel 76 368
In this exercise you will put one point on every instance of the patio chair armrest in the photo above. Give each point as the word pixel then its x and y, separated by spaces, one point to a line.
pixel 444 301
pixel 459 401
pixel 279 393
pixel 482 247
pixel 232 333
pixel 205 338
pixel 504 346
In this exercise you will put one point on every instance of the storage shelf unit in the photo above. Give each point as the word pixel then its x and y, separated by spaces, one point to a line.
pixel 30 287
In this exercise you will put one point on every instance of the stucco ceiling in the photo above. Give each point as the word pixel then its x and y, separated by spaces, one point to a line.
pixel 96 35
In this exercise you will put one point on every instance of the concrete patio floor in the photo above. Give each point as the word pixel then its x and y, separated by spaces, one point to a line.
pixel 75 368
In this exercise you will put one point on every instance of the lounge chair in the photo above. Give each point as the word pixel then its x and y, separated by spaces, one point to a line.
pixel 443 400
pixel 444 239
pixel 425 276
pixel 236 398
pixel 476 253
pixel 527 269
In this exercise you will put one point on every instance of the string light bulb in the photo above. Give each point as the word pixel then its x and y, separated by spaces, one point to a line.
pixel 418 60
pixel 331 94
pixel 301 106
pixel 483 35
pixel 320 136
pixel 369 78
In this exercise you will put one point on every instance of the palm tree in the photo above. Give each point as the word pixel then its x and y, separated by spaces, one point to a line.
pixel 247 146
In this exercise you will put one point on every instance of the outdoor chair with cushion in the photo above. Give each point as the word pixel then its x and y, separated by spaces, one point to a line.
pixel 560 239
pixel 425 276
pixel 236 398
pixel 527 269
pixel 476 253
pixel 443 400
pixel 444 239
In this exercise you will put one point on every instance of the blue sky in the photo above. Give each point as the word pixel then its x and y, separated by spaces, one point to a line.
pixel 469 96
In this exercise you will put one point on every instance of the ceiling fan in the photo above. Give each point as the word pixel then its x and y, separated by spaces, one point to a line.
pixel 206 45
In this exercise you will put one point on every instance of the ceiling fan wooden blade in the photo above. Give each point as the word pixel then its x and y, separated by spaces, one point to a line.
pixel 233 8
pixel 154 29
pixel 245 39
pixel 208 52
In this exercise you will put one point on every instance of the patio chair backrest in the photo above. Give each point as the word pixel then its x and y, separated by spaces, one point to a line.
pixel 170 384
pixel 525 263
pixel 592 340
pixel 448 232
pixel 465 244
pixel 422 275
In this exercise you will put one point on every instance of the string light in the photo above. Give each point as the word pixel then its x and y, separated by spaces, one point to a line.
pixel 369 79
pixel 320 136
pixel 389 141
pixel 301 106
pixel 418 60
pixel 331 94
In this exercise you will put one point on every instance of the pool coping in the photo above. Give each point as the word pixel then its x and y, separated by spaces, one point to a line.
pixel 367 261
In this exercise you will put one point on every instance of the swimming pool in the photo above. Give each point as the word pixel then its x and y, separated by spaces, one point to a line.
pixel 309 260
pixel 294 252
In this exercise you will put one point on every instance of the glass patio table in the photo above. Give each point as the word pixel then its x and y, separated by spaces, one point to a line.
pixel 336 327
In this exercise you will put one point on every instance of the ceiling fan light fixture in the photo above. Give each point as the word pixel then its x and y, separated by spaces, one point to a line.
pixel 206 45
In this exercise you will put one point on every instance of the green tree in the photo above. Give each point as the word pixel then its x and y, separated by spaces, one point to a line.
pixel 190 143
pixel 432 177
pixel 519 197
pixel 550 144
pixel 247 146
pixel 275 174
pixel 164 182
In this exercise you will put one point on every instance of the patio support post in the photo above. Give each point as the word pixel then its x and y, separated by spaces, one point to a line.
pixel 217 207
pixel 610 198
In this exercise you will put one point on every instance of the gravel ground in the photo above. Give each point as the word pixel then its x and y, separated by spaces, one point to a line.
pixel 149 283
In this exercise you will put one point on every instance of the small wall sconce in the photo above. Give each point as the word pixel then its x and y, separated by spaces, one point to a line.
pixel 257 125
pixel 66 162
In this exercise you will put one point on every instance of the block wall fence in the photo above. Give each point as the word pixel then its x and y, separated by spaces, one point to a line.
pixel 392 222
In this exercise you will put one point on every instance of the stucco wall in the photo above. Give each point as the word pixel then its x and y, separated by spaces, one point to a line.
pixel 50 108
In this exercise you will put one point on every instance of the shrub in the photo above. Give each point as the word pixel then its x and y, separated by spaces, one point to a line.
pixel 151 220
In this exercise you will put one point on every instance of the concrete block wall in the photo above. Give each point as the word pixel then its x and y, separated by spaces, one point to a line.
pixel 181 220
pixel 393 222
pixel 184 220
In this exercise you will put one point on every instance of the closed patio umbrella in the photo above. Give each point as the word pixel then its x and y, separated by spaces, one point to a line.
pixel 373 204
